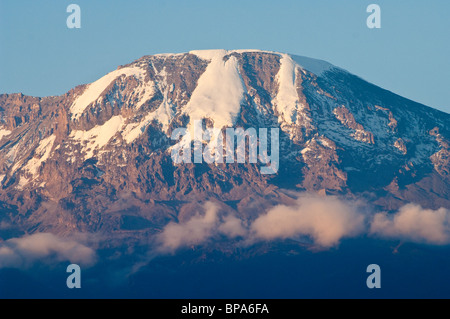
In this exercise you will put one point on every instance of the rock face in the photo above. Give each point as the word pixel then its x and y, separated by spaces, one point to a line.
pixel 98 158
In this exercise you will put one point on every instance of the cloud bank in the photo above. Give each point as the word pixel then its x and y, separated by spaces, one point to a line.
pixel 24 251
pixel 194 231
pixel 413 223
pixel 199 228
pixel 325 220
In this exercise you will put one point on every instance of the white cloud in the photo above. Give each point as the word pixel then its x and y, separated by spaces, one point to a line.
pixel 413 223
pixel 324 219
pixel 24 251
pixel 191 232
pixel 199 228
pixel 232 227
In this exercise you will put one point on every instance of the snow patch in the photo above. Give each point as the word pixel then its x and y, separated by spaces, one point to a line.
pixel 145 92
pixel 306 149
pixel 209 54
pixel 286 101
pixel 98 136
pixel 23 181
pixel 4 132
pixel 326 143
pixel 93 91
pixel 219 91
pixel 42 153
pixel 163 114
pixel 133 130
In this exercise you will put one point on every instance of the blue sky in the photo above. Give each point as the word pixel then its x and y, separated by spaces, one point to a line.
pixel 409 55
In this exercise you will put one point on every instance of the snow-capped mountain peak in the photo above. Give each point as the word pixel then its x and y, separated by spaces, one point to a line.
pixel 112 137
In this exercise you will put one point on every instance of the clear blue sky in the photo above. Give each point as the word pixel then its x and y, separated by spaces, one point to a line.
pixel 409 55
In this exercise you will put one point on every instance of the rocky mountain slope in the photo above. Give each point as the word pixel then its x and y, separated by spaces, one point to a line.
pixel 98 158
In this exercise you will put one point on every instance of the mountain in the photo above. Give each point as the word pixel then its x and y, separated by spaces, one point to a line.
pixel 98 158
